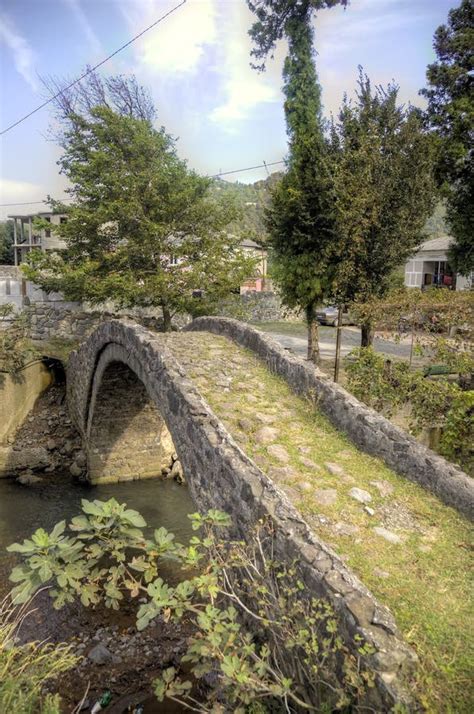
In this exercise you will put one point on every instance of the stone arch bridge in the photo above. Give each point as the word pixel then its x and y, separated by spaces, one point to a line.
pixel 134 405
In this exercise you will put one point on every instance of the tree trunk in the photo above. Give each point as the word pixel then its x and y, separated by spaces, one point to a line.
pixel 366 334
pixel 166 318
pixel 313 341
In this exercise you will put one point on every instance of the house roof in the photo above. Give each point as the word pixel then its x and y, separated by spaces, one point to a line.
pixel 441 243
pixel 247 243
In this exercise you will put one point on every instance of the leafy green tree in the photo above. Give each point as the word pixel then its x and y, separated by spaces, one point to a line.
pixel 450 95
pixel 143 230
pixel 300 218
pixel 122 94
pixel 384 191
pixel 6 243
pixel 274 18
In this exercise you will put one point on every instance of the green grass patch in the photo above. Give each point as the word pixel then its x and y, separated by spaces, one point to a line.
pixel 426 580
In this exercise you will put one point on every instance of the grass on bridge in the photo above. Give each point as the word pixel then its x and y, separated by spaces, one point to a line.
pixel 424 577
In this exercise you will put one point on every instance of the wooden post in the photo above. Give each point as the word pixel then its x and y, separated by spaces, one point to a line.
pixel 338 343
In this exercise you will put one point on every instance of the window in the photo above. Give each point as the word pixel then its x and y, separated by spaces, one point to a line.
pixel 63 219
pixel 47 232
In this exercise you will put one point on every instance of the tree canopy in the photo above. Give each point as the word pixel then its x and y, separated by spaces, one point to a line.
pixel 384 189
pixel 300 218
pixel 450 114
pixel 6 243
pixel 119 93
pixel 274 17
pixel 143 229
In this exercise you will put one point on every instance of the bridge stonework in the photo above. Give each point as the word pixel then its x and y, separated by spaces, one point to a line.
pixel 372 432
pixel 127 437
pixel 220 475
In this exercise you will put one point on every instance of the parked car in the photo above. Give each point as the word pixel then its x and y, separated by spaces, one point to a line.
pixel 328 316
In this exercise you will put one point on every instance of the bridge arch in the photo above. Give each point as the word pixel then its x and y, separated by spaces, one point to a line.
pixel 220 475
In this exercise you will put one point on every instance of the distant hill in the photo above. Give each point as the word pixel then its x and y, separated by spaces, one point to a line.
pixel 252 200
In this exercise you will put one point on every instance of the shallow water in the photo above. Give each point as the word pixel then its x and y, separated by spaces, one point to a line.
pixel 23 509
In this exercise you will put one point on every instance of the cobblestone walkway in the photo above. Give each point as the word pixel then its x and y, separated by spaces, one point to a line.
pixel 411 550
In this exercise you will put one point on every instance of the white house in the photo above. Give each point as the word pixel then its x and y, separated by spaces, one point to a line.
pixel 430 266
pixel 26 236
pixel 14 289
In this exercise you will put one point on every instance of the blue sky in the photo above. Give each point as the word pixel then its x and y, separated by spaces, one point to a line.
pixel 196 64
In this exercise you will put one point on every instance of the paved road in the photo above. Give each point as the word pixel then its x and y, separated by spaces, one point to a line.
pixel 350 339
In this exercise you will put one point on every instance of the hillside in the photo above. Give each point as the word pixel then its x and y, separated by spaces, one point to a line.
pixel 251 199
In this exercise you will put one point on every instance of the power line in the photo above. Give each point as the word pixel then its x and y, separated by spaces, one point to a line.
pixel 249 168
pixel 92 69
pixel 223 173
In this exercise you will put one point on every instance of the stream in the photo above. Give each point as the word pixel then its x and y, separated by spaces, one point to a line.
pixel 162 503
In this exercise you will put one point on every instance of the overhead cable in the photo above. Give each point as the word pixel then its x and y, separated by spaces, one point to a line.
pixel 223 173
pixel 92 69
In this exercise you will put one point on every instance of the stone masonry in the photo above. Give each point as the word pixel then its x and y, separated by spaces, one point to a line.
pixel 128 438
pixel 364 426
pixel 221 476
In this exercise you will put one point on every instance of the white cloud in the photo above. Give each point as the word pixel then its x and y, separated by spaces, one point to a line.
pixel 81 17
pixel 23 55
pixel 19 192
pixel 177 45
pixel 244 88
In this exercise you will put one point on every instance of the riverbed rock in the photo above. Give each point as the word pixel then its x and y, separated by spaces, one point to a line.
pixel 177 472
pixel 28 478
pixel 81 458
pixel 75 470
pixel 100 654
pixel 13 462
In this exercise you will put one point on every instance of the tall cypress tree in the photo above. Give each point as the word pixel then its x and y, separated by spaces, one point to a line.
pixel 300 219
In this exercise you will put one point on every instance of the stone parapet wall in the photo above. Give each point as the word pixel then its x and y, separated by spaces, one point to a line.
pixel 71 321
pixel 258 307
pixel 368 429
pixel 221 476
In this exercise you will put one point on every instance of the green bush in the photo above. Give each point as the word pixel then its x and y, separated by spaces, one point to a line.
pixel 388 387
pixel 255 627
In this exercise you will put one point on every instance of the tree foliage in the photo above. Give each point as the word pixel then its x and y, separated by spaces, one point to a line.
pixel 6 243
pixel 300 218
pixel 384 189
pixel 119 93
pixel 450 113
pixel 392 387
pixel 143 230
pixel 274 18
pixel 288 652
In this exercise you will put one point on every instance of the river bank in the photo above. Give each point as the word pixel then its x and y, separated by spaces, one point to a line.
pixel 113 654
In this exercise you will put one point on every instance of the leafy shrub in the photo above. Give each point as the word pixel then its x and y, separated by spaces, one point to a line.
pixel 257 631
pixel 15 348
pixel 388 387
pixel 457 440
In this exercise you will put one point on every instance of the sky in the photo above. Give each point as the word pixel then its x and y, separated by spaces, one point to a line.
pixel 224 114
